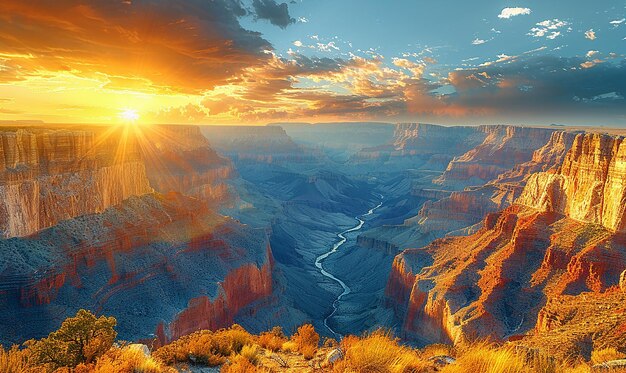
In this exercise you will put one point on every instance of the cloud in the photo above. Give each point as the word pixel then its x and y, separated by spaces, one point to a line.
pixel 617 22
pixel 297 43
pixel 175 46
pixel 415 68
pixel 590 34
pixel 277 14
pixel 507 13
pixel 590 64
pixel 590 54
pixel 303 20
pixel 328 47
pixel 478 41
pixel 548 28
pixel 500 88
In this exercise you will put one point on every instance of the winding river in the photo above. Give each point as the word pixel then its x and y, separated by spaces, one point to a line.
pixel 336 246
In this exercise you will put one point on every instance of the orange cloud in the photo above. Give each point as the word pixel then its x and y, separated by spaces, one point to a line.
pixel 186 46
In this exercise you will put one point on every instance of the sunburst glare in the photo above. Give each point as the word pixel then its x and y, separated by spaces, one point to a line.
pixel 129 115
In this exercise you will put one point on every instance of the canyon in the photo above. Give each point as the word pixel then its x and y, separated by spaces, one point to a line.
pixel 484 230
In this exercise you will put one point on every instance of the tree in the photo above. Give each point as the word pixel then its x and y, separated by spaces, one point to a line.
pixel 80 339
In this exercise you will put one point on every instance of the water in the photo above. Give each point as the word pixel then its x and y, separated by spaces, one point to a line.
pixel 336 246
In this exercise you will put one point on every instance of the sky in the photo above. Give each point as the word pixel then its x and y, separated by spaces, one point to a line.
pixel 261 61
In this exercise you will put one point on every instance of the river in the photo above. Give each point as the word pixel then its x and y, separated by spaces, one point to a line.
pixel 336 246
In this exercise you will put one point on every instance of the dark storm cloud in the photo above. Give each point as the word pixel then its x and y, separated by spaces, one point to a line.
pixel 545 84
pixel 277 14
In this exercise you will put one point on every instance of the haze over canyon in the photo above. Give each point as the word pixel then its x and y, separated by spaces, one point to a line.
pixel 347 186
pixel 448 234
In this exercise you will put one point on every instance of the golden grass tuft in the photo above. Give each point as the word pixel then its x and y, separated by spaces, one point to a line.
pixel 14 360
pixel 128 360
pixel 289 346
pixel 251 352
pixel 239 364
pixel 378 352
pixel 487 358
pixel 306 340
pixel 272 340
pixel 606 354
pixel 437 349
pixel 206 347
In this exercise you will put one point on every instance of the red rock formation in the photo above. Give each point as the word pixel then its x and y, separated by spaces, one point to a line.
pixel 241 287
pixel 589 186
pixel 49 175
pixel 502 149
pixel 179 158
pixel 548 158
pixel 435 145
pixel 571 326
pixel 400 282
pixel 494 282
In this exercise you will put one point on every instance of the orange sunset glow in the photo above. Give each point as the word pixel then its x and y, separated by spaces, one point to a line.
pixel 312 186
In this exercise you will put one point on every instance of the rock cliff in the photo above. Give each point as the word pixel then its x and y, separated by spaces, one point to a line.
pixel 268 144
pixel 51 175
pixel 122 221
pixel 503 148
pixel 562 236
pixel 180 158
pixel 427 145
pixel 142 261
pixel 589 186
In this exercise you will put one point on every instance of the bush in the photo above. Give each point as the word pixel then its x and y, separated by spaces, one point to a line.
pixel 606 354
pixel 251 352
pixel 80 339
pixel 128 360
pixel 290 346
pixel 14 360
pixel 239 364
pixel 306 339
pixel 378 352
pixel 206 347
pixel 487 358
pixel 308 351
pixel 272 340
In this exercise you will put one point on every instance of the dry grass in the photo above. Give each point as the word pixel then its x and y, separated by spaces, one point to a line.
pixel 378 352
pixel 487 358
pixel 606 354
pixel 14 360
pixel 128 360
pixel 239 364
pixel 206 347
pixel 272 340
pixel 289 346
pixel 437 350
pixel 251 352
pixel 306 340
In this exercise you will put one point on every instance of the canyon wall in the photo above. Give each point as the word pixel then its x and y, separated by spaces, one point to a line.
pixel 268 144
pixel 122 221
pixel 51 175
pixel 589 186
pixel 503 148
pixel 143 261
pixel 425 145
pixel 180 158
pixel 560 237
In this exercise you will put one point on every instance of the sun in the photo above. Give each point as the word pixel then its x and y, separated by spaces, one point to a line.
pixel 129 115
